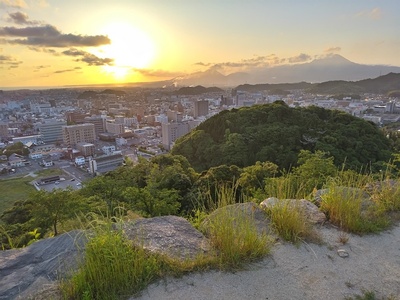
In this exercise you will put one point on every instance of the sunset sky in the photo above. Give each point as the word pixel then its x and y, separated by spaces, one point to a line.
pixel 71 42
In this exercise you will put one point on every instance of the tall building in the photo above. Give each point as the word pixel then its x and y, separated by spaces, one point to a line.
pixel 52 131
pixel 171 132
pixel 200 108
pixel 98 122
pixel 3 130
pixel 75 117
pixel 75 134
pixel 115 128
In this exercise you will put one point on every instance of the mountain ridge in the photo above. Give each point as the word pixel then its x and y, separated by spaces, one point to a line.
pixel 333 67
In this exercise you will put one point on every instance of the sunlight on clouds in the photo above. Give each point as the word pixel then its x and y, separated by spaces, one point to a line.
pixel 130 48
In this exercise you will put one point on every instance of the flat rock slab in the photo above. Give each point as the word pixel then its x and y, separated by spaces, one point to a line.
pixel 26 271
pixel 167 235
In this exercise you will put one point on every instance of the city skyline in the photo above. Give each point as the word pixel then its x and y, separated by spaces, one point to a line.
pixel 57 43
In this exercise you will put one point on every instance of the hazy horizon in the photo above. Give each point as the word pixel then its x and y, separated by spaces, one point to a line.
pixel 55 43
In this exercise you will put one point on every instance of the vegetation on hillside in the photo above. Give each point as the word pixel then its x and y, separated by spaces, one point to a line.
pixel 386 84
pixel 277 133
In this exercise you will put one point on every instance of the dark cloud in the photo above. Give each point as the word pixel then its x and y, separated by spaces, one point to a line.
pixel 50 36
pixel 333 50
pixel 299 58
pixel 67 70
pixel 38 68
pixel 202 64
pixel 9 61
pixel 21 18
pixel 89 58
pixel 157 73
pixel 44 50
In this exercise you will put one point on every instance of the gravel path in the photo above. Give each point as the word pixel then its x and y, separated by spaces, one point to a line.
pixel 304 272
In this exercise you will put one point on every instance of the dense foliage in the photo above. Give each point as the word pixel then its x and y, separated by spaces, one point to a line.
pixel 277 133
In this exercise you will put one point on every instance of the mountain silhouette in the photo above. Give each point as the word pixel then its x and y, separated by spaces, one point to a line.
pixel 332 67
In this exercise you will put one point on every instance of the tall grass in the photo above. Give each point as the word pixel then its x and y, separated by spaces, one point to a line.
pixel 348 205
pixel 111 269
pixel 288 186
pixel 233 232
pixel 290 222
pixel 235 238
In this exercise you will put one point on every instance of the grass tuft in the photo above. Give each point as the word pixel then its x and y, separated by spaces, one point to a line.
pixel 290 222
pixel 235 237
pixel 111 269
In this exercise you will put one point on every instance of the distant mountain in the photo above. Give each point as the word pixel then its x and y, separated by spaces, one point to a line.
pixel 380 85
pixel 334 67
pixel 94 94
pixel 197 90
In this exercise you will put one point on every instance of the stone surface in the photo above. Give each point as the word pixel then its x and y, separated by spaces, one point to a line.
pixel 311 211
pixel 24 272
pixel 167 235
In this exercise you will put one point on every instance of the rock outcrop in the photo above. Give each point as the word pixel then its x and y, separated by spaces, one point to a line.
pixel 26 271
pixel 168 235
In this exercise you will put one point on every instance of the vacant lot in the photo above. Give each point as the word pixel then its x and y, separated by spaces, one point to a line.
pixel 14 189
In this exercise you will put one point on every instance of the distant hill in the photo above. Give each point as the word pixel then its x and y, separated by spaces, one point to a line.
pixel 197 90
pixel 333 67
pixel 274 87
pixel 275 132
pixel 380 85
pixel 94 94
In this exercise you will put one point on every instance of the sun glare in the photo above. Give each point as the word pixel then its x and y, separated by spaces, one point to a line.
pixel 130 48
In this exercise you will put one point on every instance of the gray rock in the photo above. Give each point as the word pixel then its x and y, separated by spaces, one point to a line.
pixel 311 211
pixel 168 235
pixel 249 210
pixel 26 271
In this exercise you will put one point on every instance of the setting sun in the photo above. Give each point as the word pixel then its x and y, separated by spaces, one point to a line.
pixel 130 48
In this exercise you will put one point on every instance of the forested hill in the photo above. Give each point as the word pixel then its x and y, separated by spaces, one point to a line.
pixel 381 85
pixel 277 133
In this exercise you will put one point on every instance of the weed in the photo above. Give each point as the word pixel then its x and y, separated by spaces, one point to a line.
pixel 369 295
pixel 343 237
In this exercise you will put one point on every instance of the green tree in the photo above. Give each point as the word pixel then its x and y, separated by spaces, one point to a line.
pixel 151 202
pixel 252 179
pixel 314 169
pixel 52 208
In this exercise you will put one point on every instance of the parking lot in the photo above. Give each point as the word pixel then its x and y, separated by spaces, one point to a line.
pixel 72 176
pixel 61 184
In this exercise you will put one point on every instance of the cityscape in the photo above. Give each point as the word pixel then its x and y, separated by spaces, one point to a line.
pixel 98 133
pixel 214 149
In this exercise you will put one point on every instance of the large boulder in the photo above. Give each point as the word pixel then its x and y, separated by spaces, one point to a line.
pixel 172 236
pixel 26 271
pixel 248 210
pixel 310 210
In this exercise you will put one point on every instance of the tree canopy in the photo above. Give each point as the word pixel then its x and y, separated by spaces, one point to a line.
pixel 277 133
